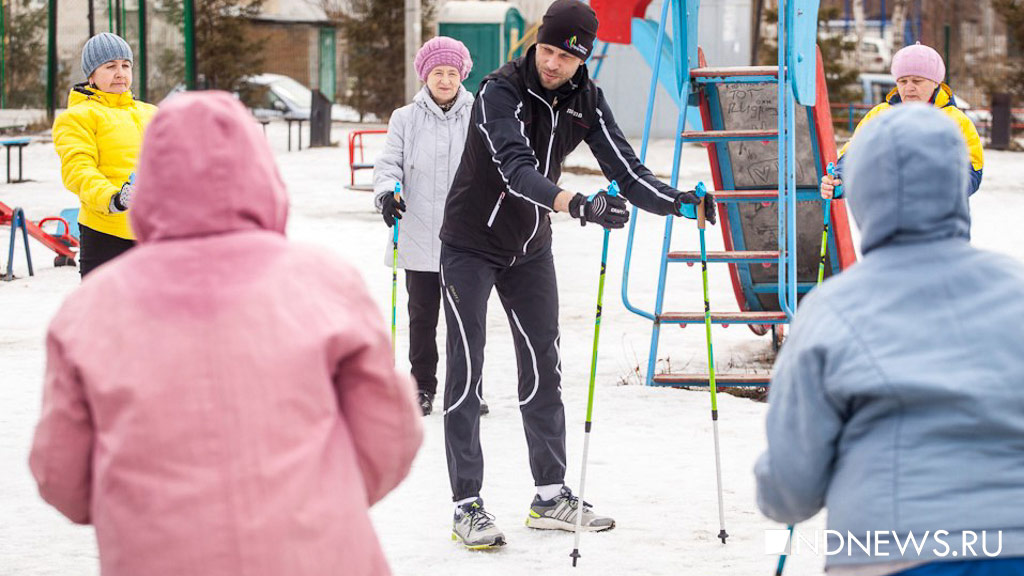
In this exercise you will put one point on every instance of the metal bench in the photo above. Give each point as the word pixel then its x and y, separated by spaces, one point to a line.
pixel 355 141
pixel 20 144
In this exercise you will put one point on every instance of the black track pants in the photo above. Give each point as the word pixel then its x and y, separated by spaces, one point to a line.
pixel 98 248
pixel 529 294
pixel 424 290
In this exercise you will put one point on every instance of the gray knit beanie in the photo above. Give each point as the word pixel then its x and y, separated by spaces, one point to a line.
pixel 103 48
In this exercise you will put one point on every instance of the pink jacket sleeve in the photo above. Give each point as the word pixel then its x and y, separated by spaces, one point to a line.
pixel 378 403
pixel 61 458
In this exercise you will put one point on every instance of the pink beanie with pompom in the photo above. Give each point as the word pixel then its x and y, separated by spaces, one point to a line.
pixel 443 51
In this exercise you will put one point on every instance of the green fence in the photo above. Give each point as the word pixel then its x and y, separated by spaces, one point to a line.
pixel 40 52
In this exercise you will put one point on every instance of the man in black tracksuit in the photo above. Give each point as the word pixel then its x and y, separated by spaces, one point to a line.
pixel 528 116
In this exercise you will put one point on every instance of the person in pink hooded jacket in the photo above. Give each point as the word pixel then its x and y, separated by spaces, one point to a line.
pixel 220 401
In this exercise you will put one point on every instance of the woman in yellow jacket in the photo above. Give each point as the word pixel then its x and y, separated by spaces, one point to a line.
pixel 919 71
pixel 98 140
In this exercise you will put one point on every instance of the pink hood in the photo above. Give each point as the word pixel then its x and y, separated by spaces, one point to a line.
pixel 227 174
pixel 220 400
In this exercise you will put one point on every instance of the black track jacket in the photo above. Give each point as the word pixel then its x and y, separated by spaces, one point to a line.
pixel 505 186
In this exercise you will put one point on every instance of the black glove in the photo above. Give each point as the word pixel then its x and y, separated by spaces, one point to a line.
pixel 710 210
pixel 392 209
pixel 601 208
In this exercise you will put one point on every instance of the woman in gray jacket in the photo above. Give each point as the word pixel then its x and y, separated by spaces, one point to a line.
pixel 423 149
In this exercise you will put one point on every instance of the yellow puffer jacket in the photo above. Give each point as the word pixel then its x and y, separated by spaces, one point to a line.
pixel 98 140
pixel 944 101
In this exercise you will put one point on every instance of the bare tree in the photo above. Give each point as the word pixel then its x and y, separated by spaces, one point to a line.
pixel 899 19
pixel 859 30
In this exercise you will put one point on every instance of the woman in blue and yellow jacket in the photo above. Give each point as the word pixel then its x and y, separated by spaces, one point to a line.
pixel 98 140
pixel 919 71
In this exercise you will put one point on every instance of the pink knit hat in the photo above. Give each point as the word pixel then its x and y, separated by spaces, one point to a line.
pixel 918 60
pixel 443 51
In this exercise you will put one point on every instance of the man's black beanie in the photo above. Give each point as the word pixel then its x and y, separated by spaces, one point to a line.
pixel 570 25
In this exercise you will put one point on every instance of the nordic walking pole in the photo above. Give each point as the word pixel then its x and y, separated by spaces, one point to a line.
pixel 821 276
pixel 394 275
pixel 824 232
pixel 613 190
pixel 782 557
pixel 701 191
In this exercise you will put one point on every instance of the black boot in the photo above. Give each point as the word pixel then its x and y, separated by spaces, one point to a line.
pixel 426 400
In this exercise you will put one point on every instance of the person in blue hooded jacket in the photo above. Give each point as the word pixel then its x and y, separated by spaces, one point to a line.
pixel 898 402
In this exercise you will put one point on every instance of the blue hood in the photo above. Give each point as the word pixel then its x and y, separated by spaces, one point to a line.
pixel 906 179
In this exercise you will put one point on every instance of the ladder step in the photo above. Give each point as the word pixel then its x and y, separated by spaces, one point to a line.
pixel 736 75
pixel 725 318
pixel 729 135
pixel 746 256
pixel 752 380
pixel 773 288
pixel 746 196
pixel 729 71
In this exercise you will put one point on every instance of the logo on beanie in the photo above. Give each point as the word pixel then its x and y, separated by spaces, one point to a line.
pixel 571 45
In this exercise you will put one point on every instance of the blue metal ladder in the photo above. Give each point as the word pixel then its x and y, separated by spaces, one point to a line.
pixel 691 81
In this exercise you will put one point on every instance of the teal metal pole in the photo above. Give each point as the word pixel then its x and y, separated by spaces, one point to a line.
pixel 190 44
pixel 51 62
pixel 142 58
pixel 3 55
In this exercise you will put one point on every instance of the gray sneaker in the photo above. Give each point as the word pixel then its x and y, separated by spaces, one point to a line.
pixel 559 513
pixel 475 528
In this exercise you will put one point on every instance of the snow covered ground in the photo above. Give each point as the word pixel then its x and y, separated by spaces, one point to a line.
pixel 651 461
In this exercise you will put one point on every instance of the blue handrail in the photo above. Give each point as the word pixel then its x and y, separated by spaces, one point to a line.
pixel 643 158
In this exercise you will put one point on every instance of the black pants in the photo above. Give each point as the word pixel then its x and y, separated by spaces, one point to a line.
pixel 98 248
pixel 529 294
pixel 424 290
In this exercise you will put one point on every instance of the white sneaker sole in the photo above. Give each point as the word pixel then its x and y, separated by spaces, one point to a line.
pixel 554 524
pixel 498 542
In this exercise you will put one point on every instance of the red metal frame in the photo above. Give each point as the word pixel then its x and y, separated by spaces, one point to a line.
pixel 355 138
pixel 827 153
pixel 60 244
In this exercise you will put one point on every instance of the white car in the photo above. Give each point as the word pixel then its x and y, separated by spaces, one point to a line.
pixel 276 95
pixel 875 54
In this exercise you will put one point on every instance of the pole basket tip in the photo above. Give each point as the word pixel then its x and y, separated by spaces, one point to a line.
pixel 575 555
pixel 722 536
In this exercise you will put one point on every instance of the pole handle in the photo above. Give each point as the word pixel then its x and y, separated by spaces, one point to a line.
pixel 394 229
pixel 613 188
pixel 701 192
pixel 832 172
